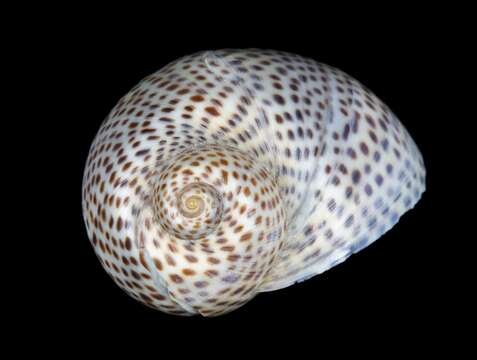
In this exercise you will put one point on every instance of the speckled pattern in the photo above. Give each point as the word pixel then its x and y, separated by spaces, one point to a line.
pixel 232 172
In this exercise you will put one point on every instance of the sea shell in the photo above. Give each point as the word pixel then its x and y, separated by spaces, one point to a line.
pixel 232 172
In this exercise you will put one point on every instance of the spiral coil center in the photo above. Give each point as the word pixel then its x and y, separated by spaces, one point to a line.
pixel 190 212
pixel 199 200
pixel 194 205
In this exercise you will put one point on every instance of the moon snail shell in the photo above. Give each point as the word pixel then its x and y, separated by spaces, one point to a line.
pixel 232 172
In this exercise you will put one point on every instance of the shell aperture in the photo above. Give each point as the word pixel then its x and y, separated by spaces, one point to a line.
pixel 232 172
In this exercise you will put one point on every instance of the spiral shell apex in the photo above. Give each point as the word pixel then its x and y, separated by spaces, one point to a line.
pixel 232 172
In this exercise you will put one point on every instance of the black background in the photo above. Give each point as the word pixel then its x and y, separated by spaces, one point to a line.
pixel 399 282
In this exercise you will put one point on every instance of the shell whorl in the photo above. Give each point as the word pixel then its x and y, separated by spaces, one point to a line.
pixel 232 172
pixel 185 206
pixel 223 208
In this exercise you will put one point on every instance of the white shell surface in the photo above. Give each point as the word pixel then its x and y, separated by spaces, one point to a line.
pixel 293 165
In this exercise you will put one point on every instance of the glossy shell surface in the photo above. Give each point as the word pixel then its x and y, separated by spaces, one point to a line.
pixel 232 172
